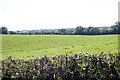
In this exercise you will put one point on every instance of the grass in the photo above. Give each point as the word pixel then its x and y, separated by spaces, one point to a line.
pixel 31 46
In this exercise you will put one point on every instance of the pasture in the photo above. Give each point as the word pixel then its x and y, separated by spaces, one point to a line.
pixel 32 46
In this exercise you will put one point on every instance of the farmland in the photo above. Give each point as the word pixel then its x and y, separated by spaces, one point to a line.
pixel 32 46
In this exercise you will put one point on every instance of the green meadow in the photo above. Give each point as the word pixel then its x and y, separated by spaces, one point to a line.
pixel 32 46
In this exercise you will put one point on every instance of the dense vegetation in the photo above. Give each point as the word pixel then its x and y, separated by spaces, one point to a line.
pixel 32 46
pixel 79 30
pixel 63 67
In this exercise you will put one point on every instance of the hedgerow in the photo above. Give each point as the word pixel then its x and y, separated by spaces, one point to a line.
pixel 76 67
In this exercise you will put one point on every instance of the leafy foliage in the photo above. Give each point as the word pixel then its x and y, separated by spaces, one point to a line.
pixel 64 67
pixel 3 30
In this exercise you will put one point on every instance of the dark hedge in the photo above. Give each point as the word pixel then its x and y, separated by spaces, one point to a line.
pixel 77 67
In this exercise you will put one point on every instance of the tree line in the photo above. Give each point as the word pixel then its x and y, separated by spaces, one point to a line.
pixel 79 30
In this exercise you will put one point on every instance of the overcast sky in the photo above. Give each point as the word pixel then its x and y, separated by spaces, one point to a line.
pixel 46 14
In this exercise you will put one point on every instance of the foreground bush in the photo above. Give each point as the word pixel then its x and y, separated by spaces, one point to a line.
pixel 64 67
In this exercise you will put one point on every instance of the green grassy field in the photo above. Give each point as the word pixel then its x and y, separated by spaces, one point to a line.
pixel 31 46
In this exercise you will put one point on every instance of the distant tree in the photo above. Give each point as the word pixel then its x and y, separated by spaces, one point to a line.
pixel 69 31
pixel 94 30
pixel 110 31
pixel 118 25
pixel 87 30
pixel 3 30
pixel 116 28
pixel 79 30
pixel 62 31
pixel 104 31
